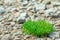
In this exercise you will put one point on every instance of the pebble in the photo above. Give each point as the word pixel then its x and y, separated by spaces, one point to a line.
pixel 46 1
pixel 39 6
pixel 22 17
pixel 57 39
pixel 49 39
pixel 38 39
pixel 54 35
pixel 0 37
pixel 6 37
pixel 12 23
pixel 56 3
pixel 50 11
pixel 57 23
pixel 2 10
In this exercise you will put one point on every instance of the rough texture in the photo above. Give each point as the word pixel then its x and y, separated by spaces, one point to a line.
pixel 14 12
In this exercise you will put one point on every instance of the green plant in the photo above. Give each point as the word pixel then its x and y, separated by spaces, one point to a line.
pixel 38 28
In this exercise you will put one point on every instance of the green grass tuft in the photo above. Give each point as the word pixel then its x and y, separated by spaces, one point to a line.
pixel 37 28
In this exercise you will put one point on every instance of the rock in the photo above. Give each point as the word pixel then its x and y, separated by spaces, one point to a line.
pixel 56 3
pixel 0 37
pixel 54 35
pixel 2 10
pixel 11 8
pixel 24 3
pixel 12 23
pixel 49 39
pixel 17 38
pixel 49 6
pixel 55 0
pixel 58 14
pixel 6 32
pixel 1 32
pixel 9 2
pixel 41 39
pixel 27 36
pixel 50 11
pixel 46 1
pixel 7 23
pixel 57 39
pixel 16 33
pixel 22 17
pixel 38 39
pixel 57 23
pixel 6 37
pixel 39 6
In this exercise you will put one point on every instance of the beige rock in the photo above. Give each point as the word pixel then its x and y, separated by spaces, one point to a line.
pixel 46 1
pixel 49 39
pixel 30 13
pixel 57 39
pixel 57 23
pixel 50 6
pixel 39 1
pixel 1 31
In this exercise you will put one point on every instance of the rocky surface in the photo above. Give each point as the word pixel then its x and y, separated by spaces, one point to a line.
pixel 13 13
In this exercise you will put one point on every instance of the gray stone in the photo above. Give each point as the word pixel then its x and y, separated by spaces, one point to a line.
pixel 56 3
pixel 9 1
pixel 55 0
pixel 57 39
pixel 49 39
pixel 27 36
pixel 24 3
pixel 0 37
pixel 12 23
pixel 46 1
pixel 39 6
pixel 38 39
pixel 2 10
pixel 16 33
pixel 22 17
pixel 10 9
pixel 54 35
pixel 6 37
pixel 50 11
pixel 58 13
pixel 17 38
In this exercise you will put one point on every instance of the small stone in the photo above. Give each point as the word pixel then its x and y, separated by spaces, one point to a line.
pixel 50 11
pixel 24 3
pixel 46 1
pixel 2 10
pixel 49 6
pixel 7 23
pixel 0 37
pixel 38 39
pixel 21 19
pixel 43 38
pixel 58 14
pixel 17 38
pixel 1 32
pixel 39 6
pixel 28 36
pixel 6 37
pixel 54 35
pixel 49 39
pixel 9 2
pixel 16 33
pixel 57 39
pixel 56 3
pixel 12 23
pixel 10 19
pixel 57 23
